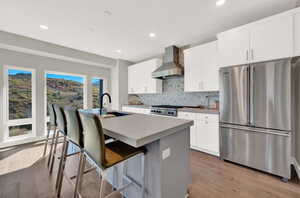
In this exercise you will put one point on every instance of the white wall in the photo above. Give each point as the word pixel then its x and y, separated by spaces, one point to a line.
pixel 119 84
pixel 42 64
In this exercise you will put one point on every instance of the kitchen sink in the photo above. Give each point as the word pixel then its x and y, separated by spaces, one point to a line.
pixel 117 114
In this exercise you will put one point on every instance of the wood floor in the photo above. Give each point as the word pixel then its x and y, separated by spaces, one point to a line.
pixel 23 175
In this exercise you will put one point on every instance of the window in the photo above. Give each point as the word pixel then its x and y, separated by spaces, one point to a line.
pixel 19 102
pixel 66 90
pixel 97 86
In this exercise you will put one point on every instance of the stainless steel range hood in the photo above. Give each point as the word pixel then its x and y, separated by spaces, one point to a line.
pixel 170 66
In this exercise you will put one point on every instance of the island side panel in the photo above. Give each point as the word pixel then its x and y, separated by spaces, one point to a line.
pixel 152 172
pixel 176 173
pixel 168 178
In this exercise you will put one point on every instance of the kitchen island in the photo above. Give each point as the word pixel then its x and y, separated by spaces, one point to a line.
pixel 167 167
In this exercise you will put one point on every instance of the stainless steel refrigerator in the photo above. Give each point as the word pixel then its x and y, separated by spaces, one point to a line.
pixel 256 116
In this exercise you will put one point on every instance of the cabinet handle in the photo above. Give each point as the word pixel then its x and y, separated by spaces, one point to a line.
pixel 247 55
pixel 252 54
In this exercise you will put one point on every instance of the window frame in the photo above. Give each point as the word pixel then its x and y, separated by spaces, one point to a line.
pixel 18 122
pixel 47 118
pixel 105 85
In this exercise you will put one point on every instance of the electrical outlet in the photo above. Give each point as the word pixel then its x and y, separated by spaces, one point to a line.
pixel 166 153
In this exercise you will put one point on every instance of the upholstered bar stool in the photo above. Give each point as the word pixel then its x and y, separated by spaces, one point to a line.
pixel 104 155
pixel 52 126
pixel 61 127
pixel 75 137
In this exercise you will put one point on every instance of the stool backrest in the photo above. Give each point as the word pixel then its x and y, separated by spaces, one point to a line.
pixel 52 114
pixel 74 127
pixel 94 142
pixel 60 118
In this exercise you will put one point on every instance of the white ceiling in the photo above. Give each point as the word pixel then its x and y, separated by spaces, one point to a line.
pixel 83 24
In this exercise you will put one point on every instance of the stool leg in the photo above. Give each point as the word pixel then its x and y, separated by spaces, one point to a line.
pixel 54 152
pixel 60 174
pixel 143 176
pixel 51 147
pixel 46 142
pixel 79 175
pixel 103 184
pixel 62 156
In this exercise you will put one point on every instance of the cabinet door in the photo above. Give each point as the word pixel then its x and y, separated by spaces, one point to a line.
pixel 201 69
pixel 233 46
pixel 208 133
pixel 192 70
pixel 131 79
pixel 272 38
pixel 209 68
pixel 193 130
pixel 297 35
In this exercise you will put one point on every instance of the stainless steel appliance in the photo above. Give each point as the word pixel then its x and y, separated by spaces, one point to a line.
pixel 171 66
pixel 256 115
pixel 166 110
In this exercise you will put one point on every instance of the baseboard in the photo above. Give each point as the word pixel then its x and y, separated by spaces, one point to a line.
pixel 206 151
pixel 296 166
pixel 31 140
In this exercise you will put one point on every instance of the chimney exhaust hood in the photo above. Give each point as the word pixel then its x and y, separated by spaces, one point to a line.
pixel 170 66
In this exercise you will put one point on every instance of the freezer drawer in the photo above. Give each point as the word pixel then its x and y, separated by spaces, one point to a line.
pixel 267 151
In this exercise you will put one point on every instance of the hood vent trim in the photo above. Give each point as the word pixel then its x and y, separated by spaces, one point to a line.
pixel 171 66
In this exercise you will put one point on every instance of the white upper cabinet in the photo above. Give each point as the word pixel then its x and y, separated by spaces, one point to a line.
pixel 233 46
pixel 297 34
pixel 272 38
pixel 140 79
pixel 201 68
pixel 267 39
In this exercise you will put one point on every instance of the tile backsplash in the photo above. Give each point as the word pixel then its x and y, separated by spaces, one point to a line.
pixel 173 94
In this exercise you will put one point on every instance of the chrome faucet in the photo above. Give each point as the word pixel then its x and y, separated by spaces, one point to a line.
pixel 101 101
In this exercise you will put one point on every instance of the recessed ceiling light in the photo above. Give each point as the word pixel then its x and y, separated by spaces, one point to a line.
pixel 220 2
pixel 119 51
pixel 107 12
pixel 152 35
pixel 44 27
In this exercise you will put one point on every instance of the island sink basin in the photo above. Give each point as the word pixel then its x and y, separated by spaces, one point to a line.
pixel 117 114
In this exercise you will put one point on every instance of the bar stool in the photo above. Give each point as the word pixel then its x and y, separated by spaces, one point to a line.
pixel 61 127
pixel 104 155
pixel 52 126
pixel 75 137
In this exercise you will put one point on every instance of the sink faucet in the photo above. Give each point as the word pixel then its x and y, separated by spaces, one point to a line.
pixel 101 101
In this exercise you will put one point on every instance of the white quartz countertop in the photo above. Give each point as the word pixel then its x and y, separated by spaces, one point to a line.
pixel 138 129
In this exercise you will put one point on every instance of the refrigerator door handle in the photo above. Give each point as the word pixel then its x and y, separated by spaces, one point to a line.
pixel 251 87
pixel 259 130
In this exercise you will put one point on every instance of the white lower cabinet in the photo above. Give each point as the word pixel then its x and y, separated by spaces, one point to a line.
pixel 136 110
pixel 204 135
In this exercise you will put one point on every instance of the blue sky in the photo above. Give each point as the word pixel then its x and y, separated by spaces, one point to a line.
pixel 14 72
pixel 66 77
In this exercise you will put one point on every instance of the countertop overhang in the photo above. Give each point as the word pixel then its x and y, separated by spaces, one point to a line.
pixel 138 129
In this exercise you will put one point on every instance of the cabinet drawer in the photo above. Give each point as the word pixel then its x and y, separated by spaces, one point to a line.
pixel 211 118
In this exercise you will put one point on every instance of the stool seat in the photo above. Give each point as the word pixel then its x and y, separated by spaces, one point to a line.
pixel 116 152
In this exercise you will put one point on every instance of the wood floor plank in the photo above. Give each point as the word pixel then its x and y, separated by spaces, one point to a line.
pixel 24 175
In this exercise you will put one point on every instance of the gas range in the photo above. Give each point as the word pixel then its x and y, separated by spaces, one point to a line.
pixel 166 110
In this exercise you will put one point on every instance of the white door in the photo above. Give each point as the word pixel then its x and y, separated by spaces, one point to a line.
pixel 192 70
pixel 201 68
pixel 208 133
pixel 272 38
pixel 233 46
pixel 297 35
pixel 209 68
pixel 193 129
